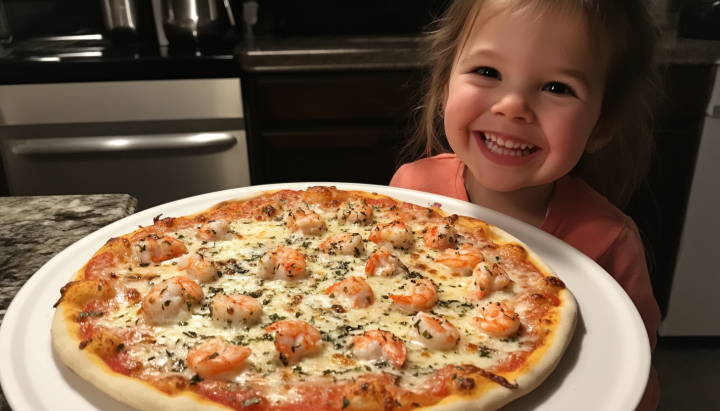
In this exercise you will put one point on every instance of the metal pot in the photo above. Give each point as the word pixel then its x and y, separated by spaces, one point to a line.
pixel 120 18
pixel 195 21
pixel 5 35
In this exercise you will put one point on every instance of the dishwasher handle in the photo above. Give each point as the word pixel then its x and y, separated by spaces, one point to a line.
pixel 108 144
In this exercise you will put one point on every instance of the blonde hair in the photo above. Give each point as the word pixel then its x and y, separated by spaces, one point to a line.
pixel 617 169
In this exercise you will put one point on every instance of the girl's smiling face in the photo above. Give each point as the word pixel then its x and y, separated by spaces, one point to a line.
pixel 524 95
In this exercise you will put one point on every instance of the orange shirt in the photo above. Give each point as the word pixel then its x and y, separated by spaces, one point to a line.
pixel 579 216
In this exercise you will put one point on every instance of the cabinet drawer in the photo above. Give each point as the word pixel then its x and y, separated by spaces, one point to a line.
pixel 322 99
pixel 356 156
pixel 312 139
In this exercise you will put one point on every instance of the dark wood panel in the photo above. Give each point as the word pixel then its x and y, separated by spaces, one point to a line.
pixel 326 99
pixel 361 165
pixel 658 207
pixel 337 139
pixel 343 126
pixel 687 90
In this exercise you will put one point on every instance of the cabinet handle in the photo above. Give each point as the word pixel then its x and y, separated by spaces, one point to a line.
pixel 108 144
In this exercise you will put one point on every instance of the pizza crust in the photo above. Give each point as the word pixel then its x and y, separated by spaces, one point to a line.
pixel 128 390
pixel 546 358
pixel 487 395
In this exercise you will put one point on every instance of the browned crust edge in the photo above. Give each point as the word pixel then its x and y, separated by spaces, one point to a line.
pixel 145 397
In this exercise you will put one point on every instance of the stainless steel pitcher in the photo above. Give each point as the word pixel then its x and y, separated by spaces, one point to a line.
pixel 5 35
pixel 196 21
pixel 120 18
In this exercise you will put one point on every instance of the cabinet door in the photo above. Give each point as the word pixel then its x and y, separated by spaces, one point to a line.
pixel 345 127
pixel 354 156
pixel 658 207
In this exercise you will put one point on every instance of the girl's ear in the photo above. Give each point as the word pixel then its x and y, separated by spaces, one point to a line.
pixel 596 142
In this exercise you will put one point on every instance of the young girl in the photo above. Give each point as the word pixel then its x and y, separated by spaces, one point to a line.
pixel 545 106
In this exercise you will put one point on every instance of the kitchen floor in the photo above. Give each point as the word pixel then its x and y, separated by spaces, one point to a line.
pixel 689 372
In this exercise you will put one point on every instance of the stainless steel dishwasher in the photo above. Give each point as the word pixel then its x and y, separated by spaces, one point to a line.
pixel 155 140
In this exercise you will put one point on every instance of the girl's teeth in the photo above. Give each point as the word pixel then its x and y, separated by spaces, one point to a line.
pixel 508 148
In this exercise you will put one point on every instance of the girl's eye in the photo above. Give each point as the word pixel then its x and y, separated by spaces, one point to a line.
pixel 488 72
pixel 559 88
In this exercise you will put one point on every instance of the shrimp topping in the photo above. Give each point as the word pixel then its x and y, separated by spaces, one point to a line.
pixel 356 213
pixel 195 266
pixel 214 357
pixel 463 260
pixel 385 263
pixel 295 339
pixel 155 249
pixel 421 296
pixel 397 234
pixel 375 344
pixel 497 320
pixel 440 237
pixel 354 291
pixel 235 310
pixel 171 300
pixel 434 332
pixel 345 243
pixel 215 230
pixel 486 279
pixel 306 222
pixel 282 263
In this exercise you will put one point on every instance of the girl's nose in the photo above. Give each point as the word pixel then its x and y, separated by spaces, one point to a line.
pixel 515 107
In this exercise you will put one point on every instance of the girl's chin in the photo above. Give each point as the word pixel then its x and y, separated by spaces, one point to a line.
pixel 502 159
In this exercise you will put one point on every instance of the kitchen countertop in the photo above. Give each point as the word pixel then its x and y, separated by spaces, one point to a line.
pixel 35 229
pixel 44 62
pixel 24 63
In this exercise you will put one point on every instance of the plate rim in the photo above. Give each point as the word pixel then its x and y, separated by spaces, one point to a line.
pixel 98 237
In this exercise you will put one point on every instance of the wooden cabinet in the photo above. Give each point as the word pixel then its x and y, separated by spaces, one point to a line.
pixel 326 126
pixel 659 206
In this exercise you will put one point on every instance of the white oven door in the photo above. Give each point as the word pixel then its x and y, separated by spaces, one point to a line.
pixel 157 141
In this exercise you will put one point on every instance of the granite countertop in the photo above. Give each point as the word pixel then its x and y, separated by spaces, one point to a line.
pixel 35 229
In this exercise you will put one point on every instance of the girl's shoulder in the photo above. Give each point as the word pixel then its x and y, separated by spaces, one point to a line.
pixel 441 174
pixel 582 217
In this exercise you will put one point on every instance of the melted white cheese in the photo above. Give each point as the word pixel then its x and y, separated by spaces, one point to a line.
pixel 166 350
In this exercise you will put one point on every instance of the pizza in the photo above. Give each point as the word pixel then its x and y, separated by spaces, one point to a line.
pixel 320 299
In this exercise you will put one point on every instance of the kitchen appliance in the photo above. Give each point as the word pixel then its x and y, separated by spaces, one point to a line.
pixel 53 18
pixel 694 306
pixel 120 18
pixel 84 23
pixel 196 21
pixel 700 19
pixel 5 35
pixel 158 141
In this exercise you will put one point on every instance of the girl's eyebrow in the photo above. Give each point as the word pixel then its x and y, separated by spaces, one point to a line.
pixel 481 53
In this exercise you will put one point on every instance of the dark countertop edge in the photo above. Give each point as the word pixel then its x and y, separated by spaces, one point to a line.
pixel 25 72
pixel 335 67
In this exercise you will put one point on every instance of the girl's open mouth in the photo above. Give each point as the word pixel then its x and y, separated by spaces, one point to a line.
pixel 508 148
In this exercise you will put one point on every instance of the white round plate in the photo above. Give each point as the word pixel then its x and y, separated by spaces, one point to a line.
pixel 605 367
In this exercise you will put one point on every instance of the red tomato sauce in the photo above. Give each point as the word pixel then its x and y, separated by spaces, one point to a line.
pixel 120 363
pixel 232 395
